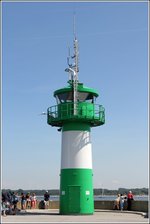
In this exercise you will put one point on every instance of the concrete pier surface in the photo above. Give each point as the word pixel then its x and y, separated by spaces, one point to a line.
pixel 53 216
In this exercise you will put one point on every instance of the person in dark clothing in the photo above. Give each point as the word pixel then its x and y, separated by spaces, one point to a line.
pixel 130 199
pixel 9 196
pixel 46 199
pixel 6 197
pixel 23 201
pixel 4 203
pixel 15 201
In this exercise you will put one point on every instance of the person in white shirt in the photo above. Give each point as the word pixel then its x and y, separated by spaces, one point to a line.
pixel 121 202
pixel 33 201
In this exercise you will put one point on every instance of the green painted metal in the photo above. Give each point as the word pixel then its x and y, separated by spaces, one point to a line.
pixel 76 191
pixel 80 88
pixel 90 113
pixel 76 126
pixel 84 109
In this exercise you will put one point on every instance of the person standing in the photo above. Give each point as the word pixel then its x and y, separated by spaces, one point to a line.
pixel 121 202
pixel 3 205
pixel 15 201
pixel 28 201
pixel 46 199
pixel 33 201
pixel 125 201
pixel 130 199
pixel 116 202
pixel 23 201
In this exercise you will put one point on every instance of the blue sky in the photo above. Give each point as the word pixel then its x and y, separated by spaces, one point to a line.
pixel 113 45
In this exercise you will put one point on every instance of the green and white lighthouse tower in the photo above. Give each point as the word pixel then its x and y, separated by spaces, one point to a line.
pixel 75 114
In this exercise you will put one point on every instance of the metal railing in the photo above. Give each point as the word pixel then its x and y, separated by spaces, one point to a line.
pixel 80 111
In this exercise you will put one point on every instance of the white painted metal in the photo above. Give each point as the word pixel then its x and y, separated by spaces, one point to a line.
pixel 76 151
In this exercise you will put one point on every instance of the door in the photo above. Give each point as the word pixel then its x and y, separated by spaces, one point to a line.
pixel 74 199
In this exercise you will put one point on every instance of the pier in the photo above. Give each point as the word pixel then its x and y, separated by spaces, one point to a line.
pixel 103 213
pixel 99 216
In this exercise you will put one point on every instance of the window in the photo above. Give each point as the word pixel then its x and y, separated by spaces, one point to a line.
pixel 82 97
pixel 64 97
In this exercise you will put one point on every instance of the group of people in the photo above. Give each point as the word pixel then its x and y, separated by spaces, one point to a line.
pixel 10 200
pixel 123 202
pixel 28 201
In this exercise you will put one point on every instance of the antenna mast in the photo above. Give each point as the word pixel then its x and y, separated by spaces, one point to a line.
pixel 73 68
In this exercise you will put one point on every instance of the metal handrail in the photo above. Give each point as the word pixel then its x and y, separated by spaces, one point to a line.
pixel 66 111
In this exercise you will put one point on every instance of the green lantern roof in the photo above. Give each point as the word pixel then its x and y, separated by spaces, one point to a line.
pixel 81 88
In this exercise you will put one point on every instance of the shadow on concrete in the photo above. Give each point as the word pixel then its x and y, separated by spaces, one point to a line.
pixel 27 213
pixel 144 214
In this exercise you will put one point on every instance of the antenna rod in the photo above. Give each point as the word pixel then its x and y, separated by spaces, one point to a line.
pixel 74 25
pixel 76 53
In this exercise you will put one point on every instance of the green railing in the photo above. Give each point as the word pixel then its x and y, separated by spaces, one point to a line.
pixel 81 111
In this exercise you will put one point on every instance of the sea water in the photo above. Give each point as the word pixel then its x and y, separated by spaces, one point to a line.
pixel 98 198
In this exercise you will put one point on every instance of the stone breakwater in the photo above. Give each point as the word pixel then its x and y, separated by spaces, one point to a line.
pixel 141 206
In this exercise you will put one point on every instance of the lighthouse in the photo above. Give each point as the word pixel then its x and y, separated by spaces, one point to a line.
pixel 75 114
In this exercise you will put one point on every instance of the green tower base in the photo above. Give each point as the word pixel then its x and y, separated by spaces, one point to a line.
pixel 76 192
